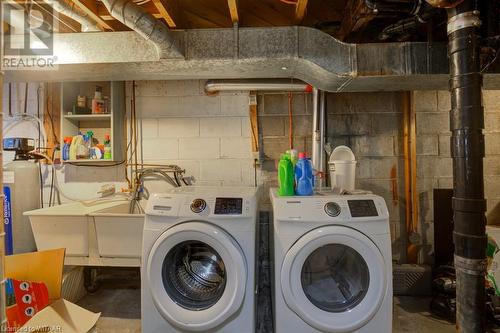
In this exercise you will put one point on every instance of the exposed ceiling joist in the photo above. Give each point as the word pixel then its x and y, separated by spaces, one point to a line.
pixel 233 10
pixel 300 10
pixel 167 10
pixel 90 8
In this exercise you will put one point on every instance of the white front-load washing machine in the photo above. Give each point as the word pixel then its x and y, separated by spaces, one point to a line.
pixel 198 261
pixel 332 264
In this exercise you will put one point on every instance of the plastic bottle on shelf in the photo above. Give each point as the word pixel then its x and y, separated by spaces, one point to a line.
pixel 82 151
pixel 66 148
pixel 107 147
pixel 97 101
pixel 285 176
pixel 303 176
pixel 75 144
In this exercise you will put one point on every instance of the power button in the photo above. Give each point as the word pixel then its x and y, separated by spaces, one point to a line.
pixel 198 205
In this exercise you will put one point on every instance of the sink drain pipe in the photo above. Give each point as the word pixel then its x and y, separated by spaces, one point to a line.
pixel 467 147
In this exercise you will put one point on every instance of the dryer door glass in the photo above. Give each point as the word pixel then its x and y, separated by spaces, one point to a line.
pixel 335 278
pixel 194 275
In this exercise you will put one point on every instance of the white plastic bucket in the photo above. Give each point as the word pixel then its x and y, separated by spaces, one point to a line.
pixel 342 175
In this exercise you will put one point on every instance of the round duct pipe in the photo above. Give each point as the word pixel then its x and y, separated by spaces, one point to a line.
pixel 214 86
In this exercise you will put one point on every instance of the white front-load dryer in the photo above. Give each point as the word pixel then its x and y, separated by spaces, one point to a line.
pixel 332 264
pixel 197 272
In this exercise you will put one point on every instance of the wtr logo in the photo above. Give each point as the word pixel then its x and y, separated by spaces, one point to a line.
pixel 28 38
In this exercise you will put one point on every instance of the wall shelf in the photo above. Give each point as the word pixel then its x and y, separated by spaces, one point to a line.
pixel 111 124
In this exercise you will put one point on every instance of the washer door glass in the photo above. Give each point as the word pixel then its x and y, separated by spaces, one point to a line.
pixel 335 278
pixel 194 275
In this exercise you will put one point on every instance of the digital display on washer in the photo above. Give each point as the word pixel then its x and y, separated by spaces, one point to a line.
pixel 228 206
pixel 362 208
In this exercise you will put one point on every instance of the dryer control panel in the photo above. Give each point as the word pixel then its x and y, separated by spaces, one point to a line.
pixel 228 206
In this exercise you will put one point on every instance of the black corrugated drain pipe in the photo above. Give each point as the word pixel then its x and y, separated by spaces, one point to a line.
pixel 467 147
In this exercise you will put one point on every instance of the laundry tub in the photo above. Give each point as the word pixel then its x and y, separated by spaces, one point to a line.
pixel 119 232
pixel 114 240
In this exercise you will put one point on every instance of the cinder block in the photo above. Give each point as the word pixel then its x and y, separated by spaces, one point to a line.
pixel 432 123
pixel 237 147
pixel 199 148
pixel 426 206
pixel 223 170
pixel 427 184
pixel 274 147
pixel 492 187
pixel 445 182
pixel 387 124
pixel 272 126
pixel 234 105
pixel 178 127
pixel 246 130
pixel 339 103
pixel 164 149
pixel 248 173
pixel 492 165
pixel 348 124
pixel 274 104
pixel 425 100
pixel 153 106
pixel 299 103
pixel 220 127
pixel 302 126
pixel 373 146
pixel 492 143
pixel 375 102
pixel 428 145
pixel 378 168
pixel 199 106
pixel 149 128
pixel 491 100
pixel 444 101
pixel 152 88
pixel 428 166
pixel 492 122
pixel 444 145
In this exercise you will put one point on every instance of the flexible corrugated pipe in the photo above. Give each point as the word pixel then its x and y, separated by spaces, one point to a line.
pixel 138 19
pixel 73 12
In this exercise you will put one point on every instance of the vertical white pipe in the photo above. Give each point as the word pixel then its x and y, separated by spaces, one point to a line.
pixel 316 135
pixel 322 121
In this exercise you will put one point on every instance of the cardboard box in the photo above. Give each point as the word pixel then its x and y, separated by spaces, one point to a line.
pixel 60 315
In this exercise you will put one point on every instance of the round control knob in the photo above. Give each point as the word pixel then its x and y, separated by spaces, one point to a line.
pixel 332 209
pixel 198 205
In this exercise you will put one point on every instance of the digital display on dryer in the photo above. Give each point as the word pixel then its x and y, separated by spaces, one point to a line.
pixel 362 208
pixel 228 206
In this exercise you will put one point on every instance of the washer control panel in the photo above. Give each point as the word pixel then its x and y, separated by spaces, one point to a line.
pixel 198 205
pixel 228 206
pixel 332 209
pixel 362 208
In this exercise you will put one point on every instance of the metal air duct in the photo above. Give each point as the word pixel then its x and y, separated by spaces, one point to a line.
pixel 74 13
pixel 138 19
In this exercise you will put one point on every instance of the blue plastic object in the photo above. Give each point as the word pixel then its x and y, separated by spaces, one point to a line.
pixel 303 176
pixel 65 152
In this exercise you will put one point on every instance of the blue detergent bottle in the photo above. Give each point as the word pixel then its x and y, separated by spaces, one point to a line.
pixel 303 176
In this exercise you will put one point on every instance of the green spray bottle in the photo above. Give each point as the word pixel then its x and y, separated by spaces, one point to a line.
pixel 285 176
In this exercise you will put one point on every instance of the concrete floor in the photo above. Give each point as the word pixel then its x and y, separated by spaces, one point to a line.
pixel 120 312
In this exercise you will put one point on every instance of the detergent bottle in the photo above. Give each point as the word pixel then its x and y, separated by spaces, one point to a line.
pixel 285 176
pixel 66 147
pixel 303 176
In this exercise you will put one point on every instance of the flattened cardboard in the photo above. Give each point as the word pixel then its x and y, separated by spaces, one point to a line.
pixel 62 317
pixel 43 266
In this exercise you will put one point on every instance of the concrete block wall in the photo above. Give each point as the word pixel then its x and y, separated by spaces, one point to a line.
pixel 434 161
pixel 209 136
